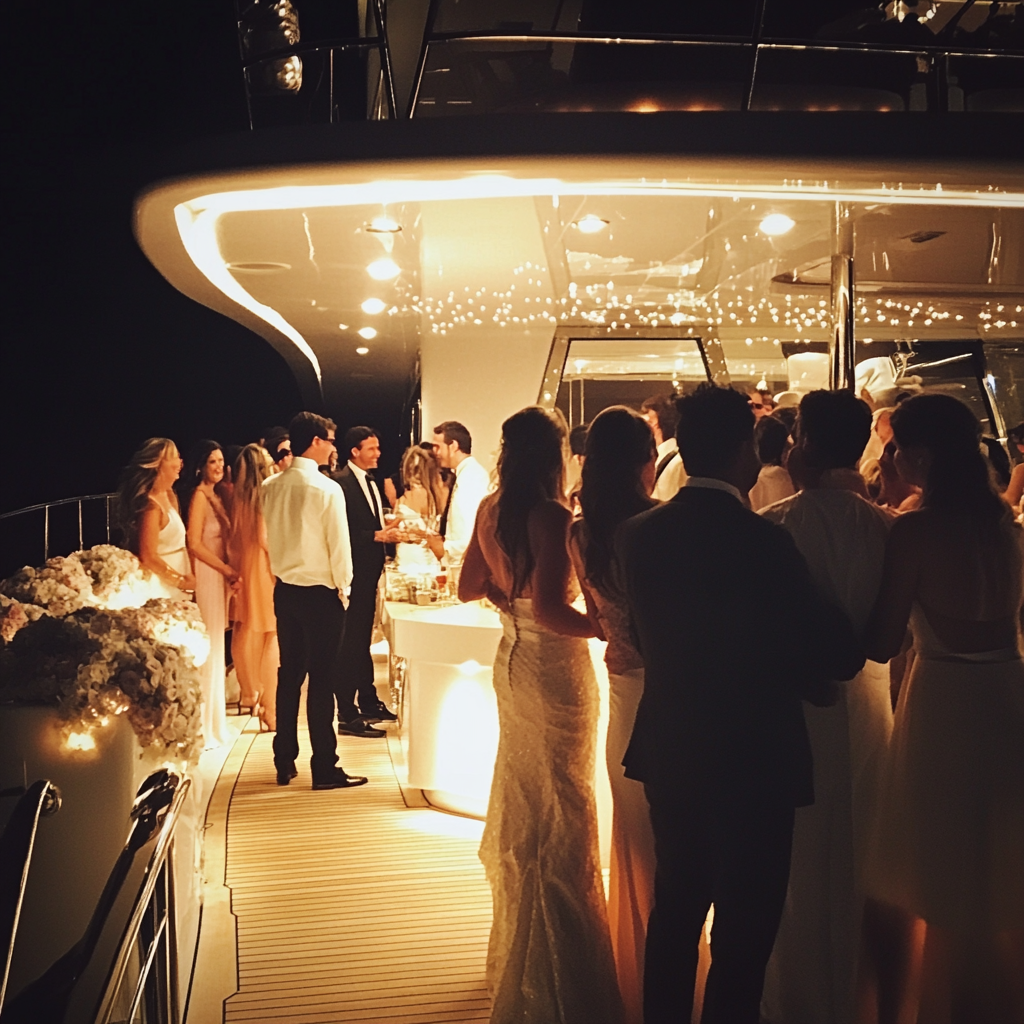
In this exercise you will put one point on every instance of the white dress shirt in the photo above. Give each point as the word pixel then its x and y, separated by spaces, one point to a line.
pixel 307 528
pixel 672 476
pixel 471 486
pixel 365 483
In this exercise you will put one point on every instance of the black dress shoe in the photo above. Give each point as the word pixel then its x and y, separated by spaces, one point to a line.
pixel 338 780
pixel 285 775
pixel 359 727
pixel 378 713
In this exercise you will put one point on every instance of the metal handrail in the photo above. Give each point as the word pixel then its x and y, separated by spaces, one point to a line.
pixel 45 507
pixel 41 800
pixel 154 815
pixel 160 859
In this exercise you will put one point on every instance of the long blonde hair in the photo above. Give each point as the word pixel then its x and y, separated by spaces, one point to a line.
pixel 137 479
pixel 420 469
pixel 251 468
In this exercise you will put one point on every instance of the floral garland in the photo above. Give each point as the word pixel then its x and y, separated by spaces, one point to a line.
pixel 84 634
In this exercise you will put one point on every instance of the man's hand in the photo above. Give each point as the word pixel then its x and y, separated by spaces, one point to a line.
pixel 343 597
pixel 389 535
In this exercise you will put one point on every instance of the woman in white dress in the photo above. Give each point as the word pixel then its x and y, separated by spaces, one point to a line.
pixel 617 480
pixel 950 839
pixel 209 529
pixel 418 509
pixel 147 509
pixel 549 960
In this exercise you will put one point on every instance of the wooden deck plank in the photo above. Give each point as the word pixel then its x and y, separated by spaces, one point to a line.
pixel 351 906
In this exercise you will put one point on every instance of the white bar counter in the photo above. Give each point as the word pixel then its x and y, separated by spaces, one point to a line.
pixel 441 666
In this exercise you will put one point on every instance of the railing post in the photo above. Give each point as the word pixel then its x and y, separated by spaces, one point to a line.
pixel 80 542
pixel 46 533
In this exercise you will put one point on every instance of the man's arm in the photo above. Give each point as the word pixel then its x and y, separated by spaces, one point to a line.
pixel 339 544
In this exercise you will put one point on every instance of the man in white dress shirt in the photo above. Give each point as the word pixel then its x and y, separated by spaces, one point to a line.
pixel 311 558
pixel 669 474
pixel 453 447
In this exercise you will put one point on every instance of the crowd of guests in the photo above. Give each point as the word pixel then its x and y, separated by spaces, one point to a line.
pixel 200 525
pixel 816 712
pixel 816 716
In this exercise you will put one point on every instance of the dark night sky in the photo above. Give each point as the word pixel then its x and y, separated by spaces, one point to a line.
pixel 99 351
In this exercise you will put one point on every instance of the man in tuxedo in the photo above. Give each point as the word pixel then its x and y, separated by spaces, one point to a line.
pixel 310 556
pixel 719 741
pixel 368 535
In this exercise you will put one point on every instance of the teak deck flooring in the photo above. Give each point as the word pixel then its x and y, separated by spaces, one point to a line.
pixel 352 906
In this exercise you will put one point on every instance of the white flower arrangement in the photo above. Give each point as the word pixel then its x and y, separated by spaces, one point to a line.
pixel 84 633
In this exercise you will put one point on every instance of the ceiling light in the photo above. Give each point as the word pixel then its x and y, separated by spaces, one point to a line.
pixel 776 224
pixel 373 306
pixel 368 333
pixel 383 269
pixel 362 351
pixel 590 225
pixel 384 226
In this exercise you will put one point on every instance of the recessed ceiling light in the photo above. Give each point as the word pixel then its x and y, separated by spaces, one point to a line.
pixel 383 269
pixel 362 351
pixel 776 224
pixel 344 327
pixel 373 306
pixel 591 224
pixel 368 332
pixel 384 226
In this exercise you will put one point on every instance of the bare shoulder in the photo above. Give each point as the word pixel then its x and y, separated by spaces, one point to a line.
pixel 153 512
pixel 912 529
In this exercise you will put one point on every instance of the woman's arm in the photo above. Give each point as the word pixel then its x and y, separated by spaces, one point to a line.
pixel 887 628
pixel 198 512
pixel 1015 491
pixel 149 539
pixel 475 580
pixel 549 535
pixel 581 574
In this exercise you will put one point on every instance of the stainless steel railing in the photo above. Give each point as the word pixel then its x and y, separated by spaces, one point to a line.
pixel 47 506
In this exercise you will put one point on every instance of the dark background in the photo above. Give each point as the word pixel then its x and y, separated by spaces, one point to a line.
pixel 99 351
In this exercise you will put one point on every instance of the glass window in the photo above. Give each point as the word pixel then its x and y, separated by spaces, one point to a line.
pixel 599 372
pixel 485 76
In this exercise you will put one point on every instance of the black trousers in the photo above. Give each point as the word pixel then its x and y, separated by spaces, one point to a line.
pixel 733 853
pixel 354 673
pixel 310 623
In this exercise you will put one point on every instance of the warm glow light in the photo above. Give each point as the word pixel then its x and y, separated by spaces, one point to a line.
pixel 777 224
pixel 80 741
pixel 468 668
pixel 384 226
pixel 590 225
pixel 362 351
pixel 369 333
pixel 373 306
pixel 383 269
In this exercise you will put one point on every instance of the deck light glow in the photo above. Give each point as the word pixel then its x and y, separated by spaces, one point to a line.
pixel 362 351
pixel 776 224
pixel 383 269
pixel 591 224
pixel 384 226
pixel 367 332
pixel 373 306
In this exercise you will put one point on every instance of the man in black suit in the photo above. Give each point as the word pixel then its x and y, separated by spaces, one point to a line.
pixel 719 740
pixel 368 536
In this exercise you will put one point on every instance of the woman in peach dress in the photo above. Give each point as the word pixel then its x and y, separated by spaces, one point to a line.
pixel 254 639
pixel 208 533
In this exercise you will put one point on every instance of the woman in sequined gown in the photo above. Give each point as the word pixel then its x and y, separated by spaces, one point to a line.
pixel 549 958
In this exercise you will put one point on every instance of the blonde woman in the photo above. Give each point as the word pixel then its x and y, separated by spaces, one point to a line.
pixel 254 638
pixel 418 510
pixel 148 511
pixel 208 533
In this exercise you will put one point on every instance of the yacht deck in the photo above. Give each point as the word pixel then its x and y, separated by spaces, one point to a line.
pixel 350 904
